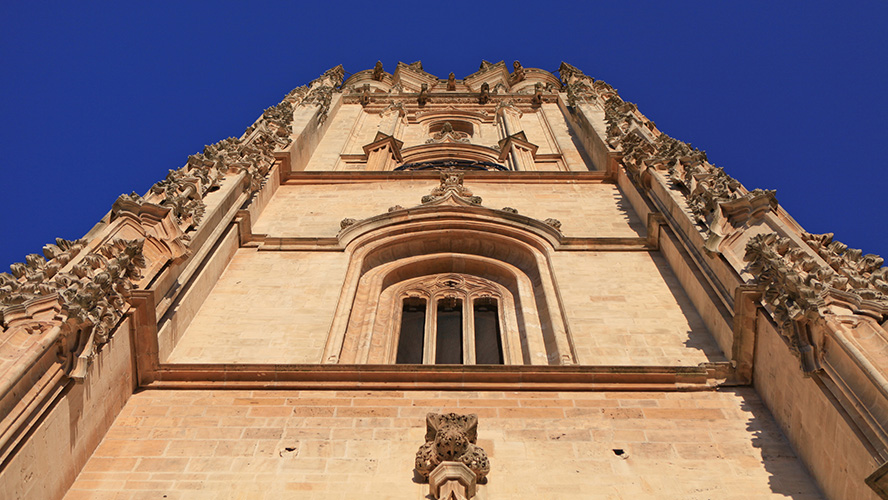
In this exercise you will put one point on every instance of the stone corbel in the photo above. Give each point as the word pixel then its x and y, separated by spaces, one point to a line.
pixel 164 241
pixel 383 153
pixel 521 151
pixel 733 215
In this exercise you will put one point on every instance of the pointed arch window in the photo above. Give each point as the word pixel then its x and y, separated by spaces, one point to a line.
pixel 451 319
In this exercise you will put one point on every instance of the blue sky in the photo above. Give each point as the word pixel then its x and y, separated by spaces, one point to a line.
pixel 103 99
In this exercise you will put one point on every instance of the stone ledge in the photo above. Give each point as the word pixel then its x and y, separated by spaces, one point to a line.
pixel 706 376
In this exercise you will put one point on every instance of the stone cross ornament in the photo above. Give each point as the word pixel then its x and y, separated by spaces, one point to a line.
pixel 451 438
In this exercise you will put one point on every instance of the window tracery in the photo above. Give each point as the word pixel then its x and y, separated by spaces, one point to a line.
pixel 450 319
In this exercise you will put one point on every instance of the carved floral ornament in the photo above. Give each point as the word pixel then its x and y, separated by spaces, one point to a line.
pixel 85 295
pixel 451 190
pixel 798 287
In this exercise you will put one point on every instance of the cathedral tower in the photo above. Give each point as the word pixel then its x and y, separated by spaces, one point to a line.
pixel 296 312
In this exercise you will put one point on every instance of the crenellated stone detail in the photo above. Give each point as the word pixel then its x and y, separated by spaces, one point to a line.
pixel 451 438
pixel 582 88
pixel 798 288
pixel 321 90
pixel 862 275
pixel 35 277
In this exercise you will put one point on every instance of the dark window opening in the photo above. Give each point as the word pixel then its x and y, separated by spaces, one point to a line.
pixel 448 343
pixel 412 336
pixel 488 343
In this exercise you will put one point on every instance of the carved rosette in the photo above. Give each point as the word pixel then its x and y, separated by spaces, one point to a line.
pixel 451 438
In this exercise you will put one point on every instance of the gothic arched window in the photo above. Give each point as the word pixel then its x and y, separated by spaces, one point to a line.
pixel 450 319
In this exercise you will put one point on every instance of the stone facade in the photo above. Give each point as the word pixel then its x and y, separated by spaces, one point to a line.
pixel 514 272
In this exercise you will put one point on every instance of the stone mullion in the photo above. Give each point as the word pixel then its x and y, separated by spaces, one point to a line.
pixel 428 349
pixel 468 329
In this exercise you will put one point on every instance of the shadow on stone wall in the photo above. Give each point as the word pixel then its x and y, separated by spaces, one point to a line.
pixel 788 476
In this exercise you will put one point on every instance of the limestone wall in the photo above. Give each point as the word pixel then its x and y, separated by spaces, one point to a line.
pixel 267 307
pixel 64 438
pixel 816 425
pixel 348 444
pixel 584 209
pixel 627 308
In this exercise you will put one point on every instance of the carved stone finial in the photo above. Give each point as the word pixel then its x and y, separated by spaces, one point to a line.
pixel 365 94
pixel 451 438
pixel 377 71
pixel 344 223
pixel 451 81
pixel 555 223
pixel 518 74
pixel 451 186
pixel 537 96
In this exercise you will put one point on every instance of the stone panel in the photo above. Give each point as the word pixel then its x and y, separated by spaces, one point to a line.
pixel 268 307
pixel 819 432
pixel 628 308
pixel 66 435
pixel 353 444
pixel 587 209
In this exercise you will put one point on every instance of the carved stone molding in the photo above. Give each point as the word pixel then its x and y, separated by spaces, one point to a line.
pixel 451 438
pixel 799 289
pixel 86 296
pixel 719 204
pixel 447 134
pixel 183 190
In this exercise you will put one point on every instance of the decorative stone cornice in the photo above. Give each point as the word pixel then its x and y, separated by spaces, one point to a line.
pixel 582 88
pixel 798 288
pixel 86 296
pixel 717 201
pixel 451 438
pixel 183 190
pixel 321 90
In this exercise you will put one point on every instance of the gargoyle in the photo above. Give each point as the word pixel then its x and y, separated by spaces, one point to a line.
pixel 451 438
